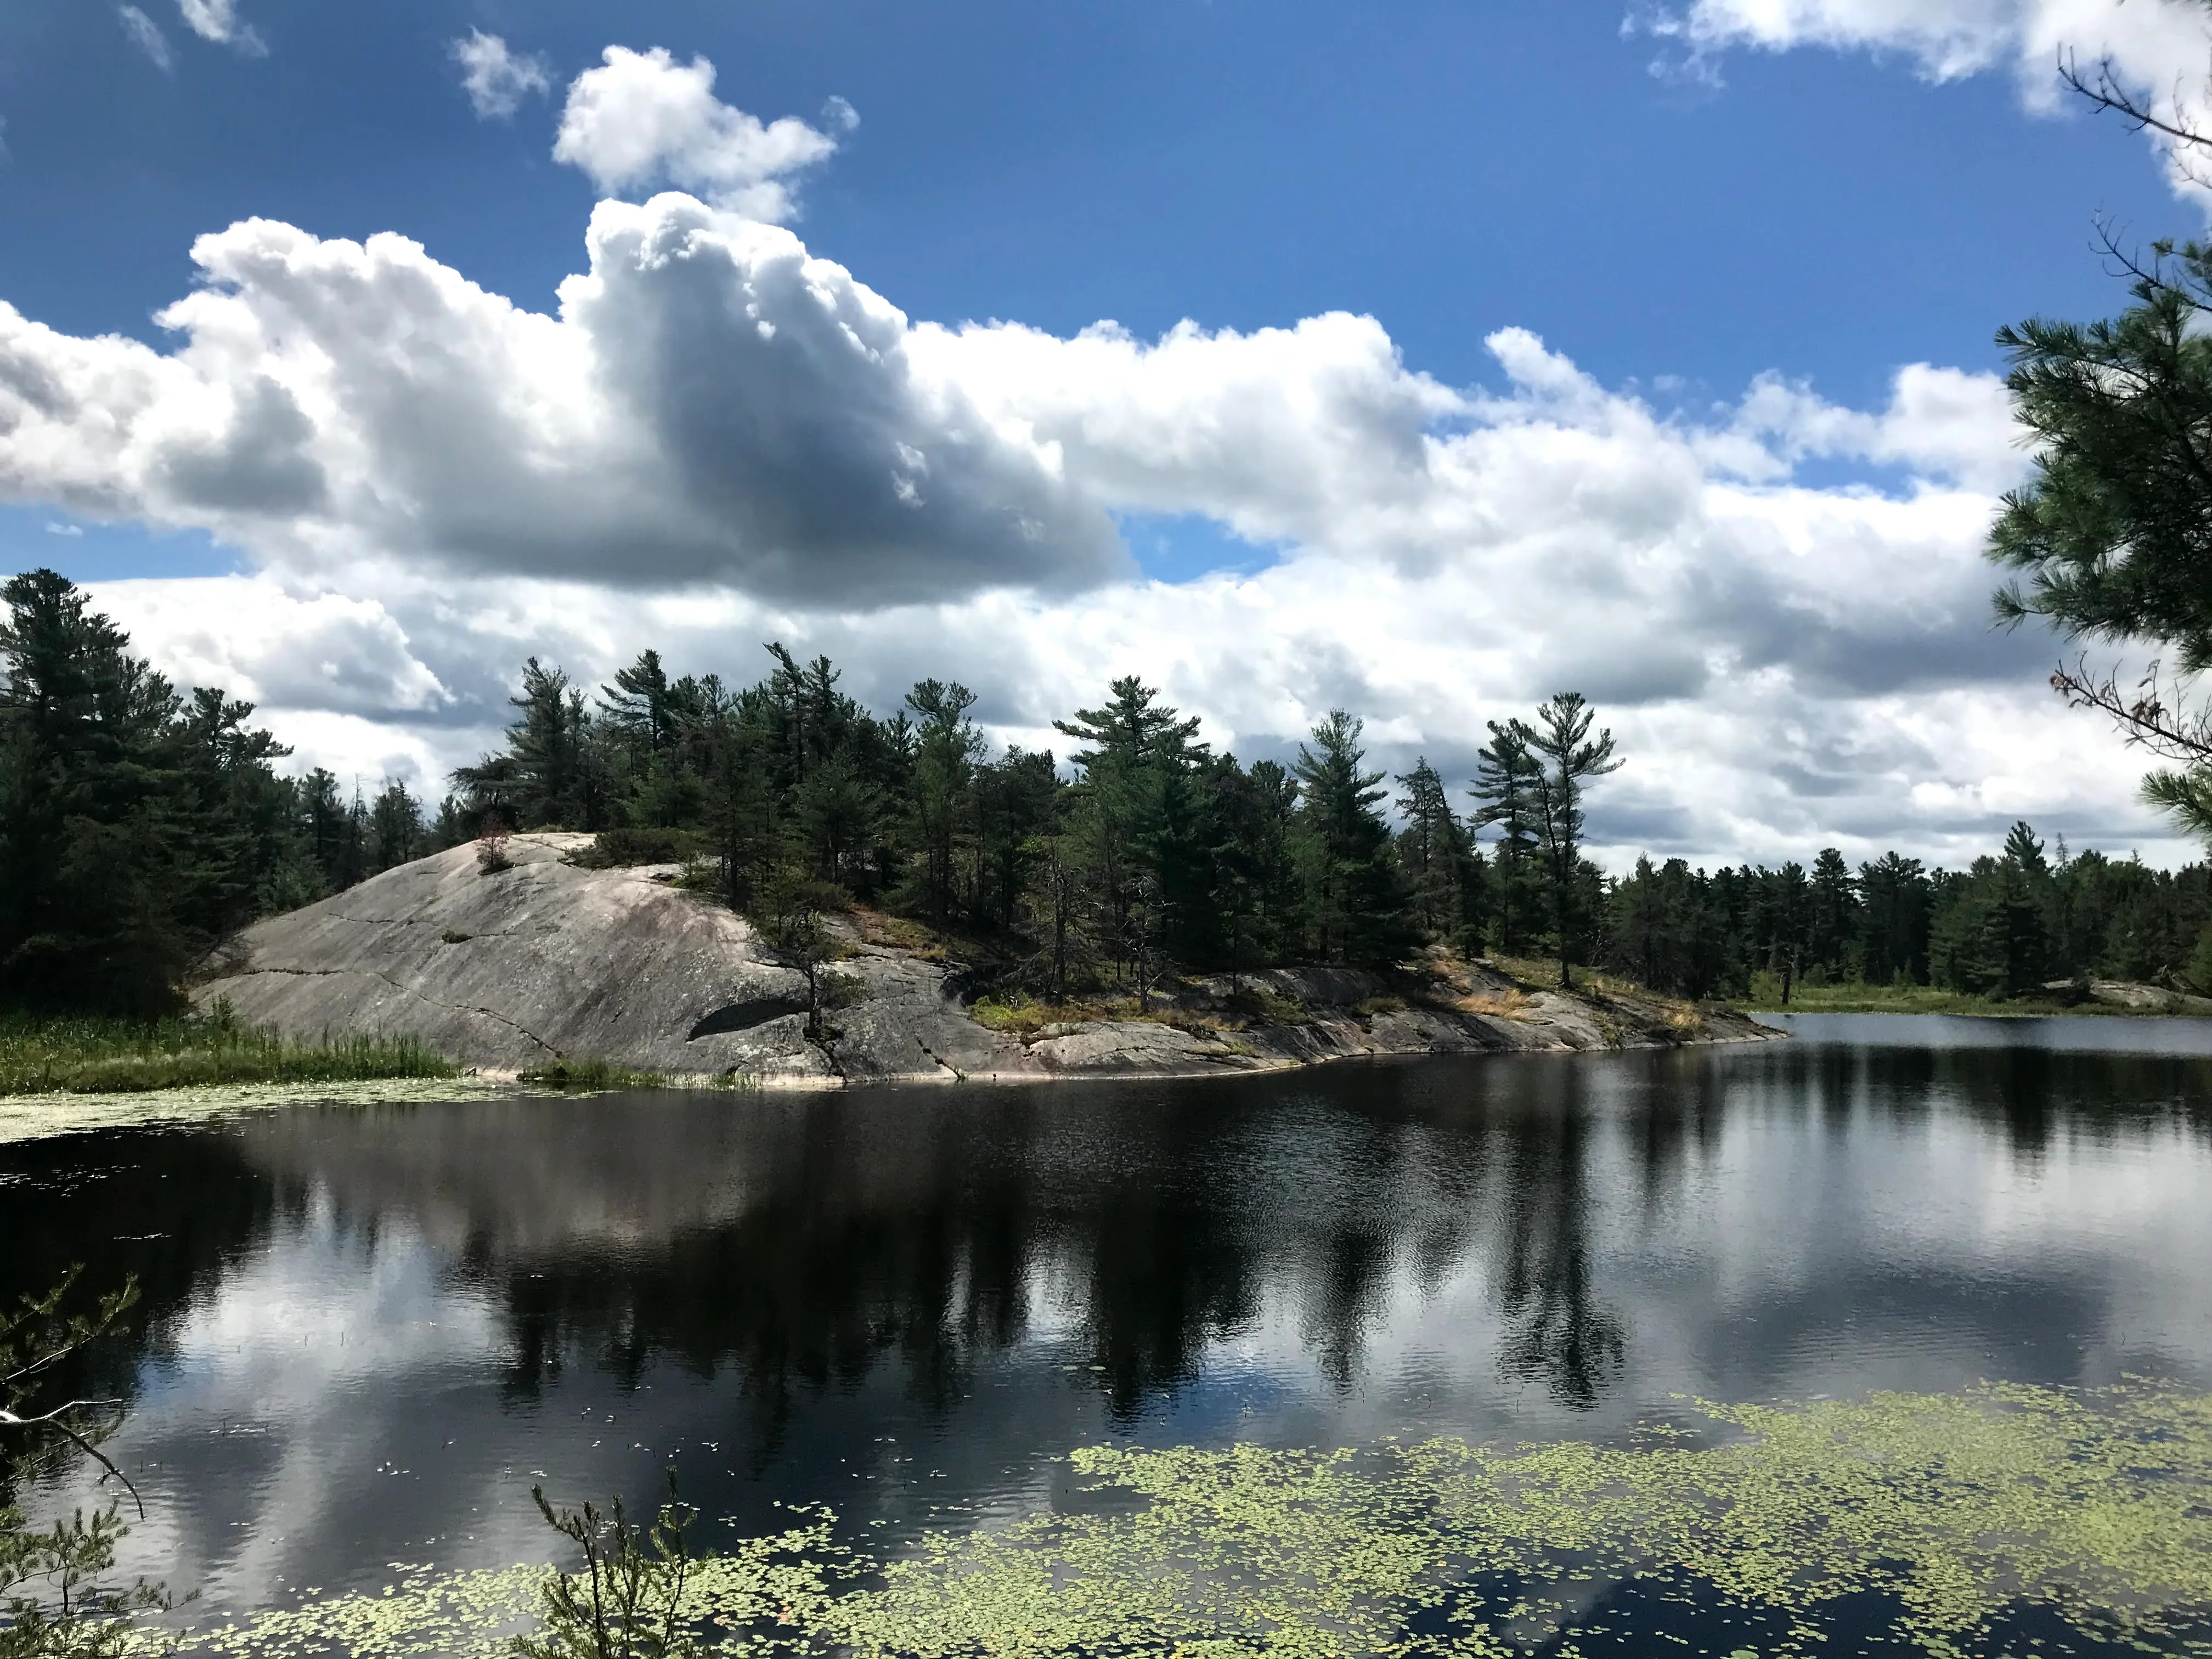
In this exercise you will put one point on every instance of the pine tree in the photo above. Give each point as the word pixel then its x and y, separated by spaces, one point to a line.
pixel 1356 896
pixel 639 709
pixel 136 827
pixel 549 777
pixel 1137 820
pixel 1437 853
pixel 947 748
pixel 1504 784
pixel 1898 901
pixel 1785 907
pixel 1566 757
pixel 1834 922
pixel 395 828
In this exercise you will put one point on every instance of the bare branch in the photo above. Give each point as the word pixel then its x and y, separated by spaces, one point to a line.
pixel 2152 717
pixel 57 1421
pixel 2107 92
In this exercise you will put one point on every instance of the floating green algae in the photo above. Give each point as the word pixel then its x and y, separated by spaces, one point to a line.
pixel 1959 1510
pixel 34 1117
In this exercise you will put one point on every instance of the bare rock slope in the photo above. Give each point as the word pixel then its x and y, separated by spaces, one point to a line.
pixel 510 970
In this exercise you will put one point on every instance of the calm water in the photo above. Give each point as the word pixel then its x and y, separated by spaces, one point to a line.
pixel 369 1330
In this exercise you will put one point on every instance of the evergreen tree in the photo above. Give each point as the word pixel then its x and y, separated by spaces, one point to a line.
pixel 1833 924
pixel 1505 784
pixel 1357 896
pixel 1897 901
pixel 550 776
pixel 1136 819
pixel 1566 759
pixel 947 747
pixel 1785 919
pixel 395 828
pixel 137 827
pixel 1437 853
pixel 639 708
pixel 2114 530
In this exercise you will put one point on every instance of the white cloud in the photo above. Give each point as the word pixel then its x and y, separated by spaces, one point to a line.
pixel 720 439
pixel 2161 48
pixel 711 404
pixel 263 643
pixel 55 527
pixel 497 79
pixel 643 119
pixel 1940 419
pixel 218 20
pixel 146 34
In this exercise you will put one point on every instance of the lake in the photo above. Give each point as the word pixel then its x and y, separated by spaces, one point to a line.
pixel 368 1331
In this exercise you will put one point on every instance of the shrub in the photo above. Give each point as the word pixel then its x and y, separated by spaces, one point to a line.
pixel 591 1075
pixel 491 846
pixel 614 849
pixel 1259 1004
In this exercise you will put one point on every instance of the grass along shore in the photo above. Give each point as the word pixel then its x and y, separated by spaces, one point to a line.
pixel 1766 998
pixel 92 1055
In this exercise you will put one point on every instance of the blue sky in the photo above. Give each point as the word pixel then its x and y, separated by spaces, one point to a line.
pixel 1820 209
pixel 1449 166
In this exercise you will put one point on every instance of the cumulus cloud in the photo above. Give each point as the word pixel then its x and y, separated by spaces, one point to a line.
pixel 718 438
pixel 323 652
pixel 643 119
pixel 1940 419
pixel 146 34
pixel 712 404
pixel 2161 48
pixel 498 79
pixel 218 20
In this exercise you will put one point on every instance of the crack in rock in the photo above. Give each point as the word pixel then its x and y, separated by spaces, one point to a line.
pixel 412 921
pixel 397 985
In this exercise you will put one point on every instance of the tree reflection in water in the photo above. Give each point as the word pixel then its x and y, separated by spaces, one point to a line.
pixel 800 1243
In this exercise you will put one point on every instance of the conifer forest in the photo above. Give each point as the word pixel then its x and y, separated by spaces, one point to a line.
pixel 140 823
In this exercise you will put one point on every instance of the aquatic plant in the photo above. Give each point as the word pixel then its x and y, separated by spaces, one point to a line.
pixel 628 1602
pixel 94 1054
pixel 1952 1512
pixel 591 1074
pixel 31 1117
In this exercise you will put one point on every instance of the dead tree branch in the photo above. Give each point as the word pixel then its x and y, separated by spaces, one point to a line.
pixel 2105 91
pixel 2154 716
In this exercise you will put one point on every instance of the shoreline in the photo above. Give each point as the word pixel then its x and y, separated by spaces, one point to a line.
pixel 30 1117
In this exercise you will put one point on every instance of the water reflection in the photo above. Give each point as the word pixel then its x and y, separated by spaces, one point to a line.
pixel 370 1327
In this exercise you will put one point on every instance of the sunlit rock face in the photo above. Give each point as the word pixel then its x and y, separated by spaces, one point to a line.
pixel 507 969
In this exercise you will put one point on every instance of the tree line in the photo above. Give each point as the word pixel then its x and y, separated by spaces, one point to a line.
pixel 139 825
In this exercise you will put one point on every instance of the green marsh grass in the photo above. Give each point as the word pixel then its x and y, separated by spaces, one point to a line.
pixel 1862 999
pixel 590 1075
pixel 593 1076
pixel 92 1055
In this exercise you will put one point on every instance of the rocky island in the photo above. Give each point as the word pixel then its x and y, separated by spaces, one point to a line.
pixel 515 969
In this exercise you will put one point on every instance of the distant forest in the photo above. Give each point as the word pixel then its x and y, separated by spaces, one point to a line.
pixel 139 825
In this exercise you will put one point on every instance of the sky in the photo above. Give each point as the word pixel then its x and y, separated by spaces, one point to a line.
pixel 1421 358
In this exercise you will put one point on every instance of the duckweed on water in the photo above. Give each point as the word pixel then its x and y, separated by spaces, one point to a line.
pixel 33 1117
pixel 1957 1509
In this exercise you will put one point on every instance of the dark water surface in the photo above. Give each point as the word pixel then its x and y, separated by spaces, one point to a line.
pixel 369 1330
